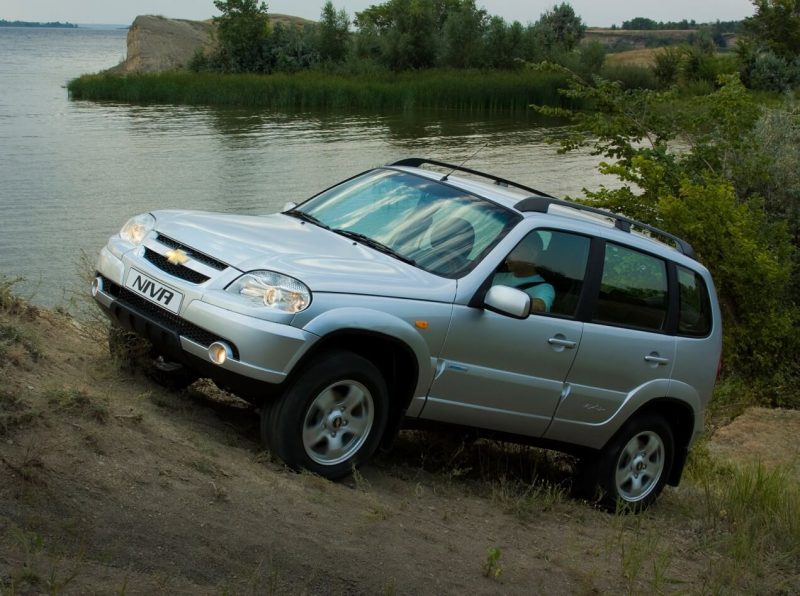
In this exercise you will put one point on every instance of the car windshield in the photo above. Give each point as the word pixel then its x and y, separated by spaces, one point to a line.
pixel 434 226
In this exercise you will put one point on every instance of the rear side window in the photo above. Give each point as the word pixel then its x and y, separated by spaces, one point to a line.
pixel 694 319
pixel 633 289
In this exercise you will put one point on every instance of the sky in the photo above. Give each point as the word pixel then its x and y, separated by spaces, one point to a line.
pixel 595 13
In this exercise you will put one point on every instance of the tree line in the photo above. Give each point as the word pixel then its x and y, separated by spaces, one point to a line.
pixel 401 35
pixel 645 24
pixel 51 25
pixel 396 35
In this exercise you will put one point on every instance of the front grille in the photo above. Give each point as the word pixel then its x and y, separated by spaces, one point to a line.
pixel 180 271
pixel 169 320
pixel 197 256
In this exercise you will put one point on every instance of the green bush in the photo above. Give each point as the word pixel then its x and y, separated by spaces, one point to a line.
pixel 697 65
pixel 769 72
pixel 667 66
pixel 630 76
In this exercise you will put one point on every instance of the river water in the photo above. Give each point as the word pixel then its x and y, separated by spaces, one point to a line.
pixel 71 172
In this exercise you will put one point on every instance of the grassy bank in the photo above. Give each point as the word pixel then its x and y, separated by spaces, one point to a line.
pixel 462 90
pixel 111 484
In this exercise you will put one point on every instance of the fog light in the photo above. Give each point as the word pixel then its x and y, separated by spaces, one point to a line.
pixel 219 352
pixel 97 283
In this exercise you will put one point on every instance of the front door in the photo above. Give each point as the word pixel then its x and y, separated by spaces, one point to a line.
pixel 501 373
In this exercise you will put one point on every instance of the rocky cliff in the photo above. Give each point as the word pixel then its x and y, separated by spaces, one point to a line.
pixel 158 43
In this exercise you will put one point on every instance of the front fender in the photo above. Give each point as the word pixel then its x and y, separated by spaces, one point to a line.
pixel 374 322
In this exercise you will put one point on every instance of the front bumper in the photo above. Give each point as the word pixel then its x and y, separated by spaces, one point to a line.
pixel 263 351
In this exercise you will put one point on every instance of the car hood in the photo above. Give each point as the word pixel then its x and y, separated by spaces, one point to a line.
pixel 323 260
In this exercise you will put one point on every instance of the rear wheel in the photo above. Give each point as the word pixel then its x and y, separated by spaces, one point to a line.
pixel 633 468
pixel 331 418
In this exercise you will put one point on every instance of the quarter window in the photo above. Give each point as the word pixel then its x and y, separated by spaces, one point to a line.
pixel 695 307
pixel 633 289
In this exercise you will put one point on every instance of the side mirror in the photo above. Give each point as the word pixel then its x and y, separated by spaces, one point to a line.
pixel 289 205
pixel 508 301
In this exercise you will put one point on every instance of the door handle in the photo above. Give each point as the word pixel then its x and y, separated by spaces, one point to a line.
pixel 655 359
pixel 561 342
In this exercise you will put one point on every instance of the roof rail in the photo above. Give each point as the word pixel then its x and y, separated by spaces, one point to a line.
pixel 416 162
pixel 542 205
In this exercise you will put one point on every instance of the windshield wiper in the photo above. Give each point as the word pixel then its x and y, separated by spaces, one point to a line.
pixel 376 244
pixel 306 217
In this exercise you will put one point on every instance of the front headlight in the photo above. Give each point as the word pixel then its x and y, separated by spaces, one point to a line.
pixel 136 228
pixel 267 288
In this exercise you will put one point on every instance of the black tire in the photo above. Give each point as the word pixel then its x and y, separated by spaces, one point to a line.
pixel 632 469
pixel 134 353
pixel 331 417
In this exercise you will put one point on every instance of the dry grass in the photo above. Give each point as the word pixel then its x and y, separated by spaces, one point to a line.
pixel 640 57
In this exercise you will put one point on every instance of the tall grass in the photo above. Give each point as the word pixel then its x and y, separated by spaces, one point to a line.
pixel 748 511
pixel 461 90
pixel 8 299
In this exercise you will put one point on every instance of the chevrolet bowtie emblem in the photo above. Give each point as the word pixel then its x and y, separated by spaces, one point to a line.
pixel 177 257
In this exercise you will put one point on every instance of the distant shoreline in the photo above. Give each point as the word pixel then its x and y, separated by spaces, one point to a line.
pixel 52 25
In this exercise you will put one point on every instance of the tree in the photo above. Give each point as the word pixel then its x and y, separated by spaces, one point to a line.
pixel 640 23
pixel 334 34
pixel 294 48
pixel 710 175
pixel 407 31
pixel 560 29
pixel 776 27
pixel 243 35
pixel 463 32
pixel 503 43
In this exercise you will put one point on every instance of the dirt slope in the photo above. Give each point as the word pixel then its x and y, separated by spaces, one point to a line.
pixel 109 484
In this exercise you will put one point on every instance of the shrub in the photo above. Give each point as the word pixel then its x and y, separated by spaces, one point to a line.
pixel 770 72
pixel 667 66
pixel 630 76
pixel 697 65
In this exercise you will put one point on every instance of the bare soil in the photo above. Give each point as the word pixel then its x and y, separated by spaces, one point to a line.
pixel 762 435
pixel 111 484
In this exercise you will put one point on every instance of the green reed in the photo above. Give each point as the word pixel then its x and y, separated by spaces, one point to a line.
pixel 462 90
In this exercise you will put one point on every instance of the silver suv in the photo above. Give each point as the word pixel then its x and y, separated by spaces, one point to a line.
pixel 423 291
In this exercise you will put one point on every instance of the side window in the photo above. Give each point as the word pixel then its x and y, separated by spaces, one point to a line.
pixel 633 289
pixel 694 319
pixel 549 266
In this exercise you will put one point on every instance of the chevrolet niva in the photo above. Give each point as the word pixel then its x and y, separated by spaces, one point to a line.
pixel 422 291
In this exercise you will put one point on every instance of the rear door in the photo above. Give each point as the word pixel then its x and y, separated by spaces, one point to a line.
pixel 625 348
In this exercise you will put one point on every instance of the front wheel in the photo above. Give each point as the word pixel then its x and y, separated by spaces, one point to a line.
pixel 633 468
pixel 331 418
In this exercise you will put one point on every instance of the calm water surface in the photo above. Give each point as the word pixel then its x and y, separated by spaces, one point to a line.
pixel 72 172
